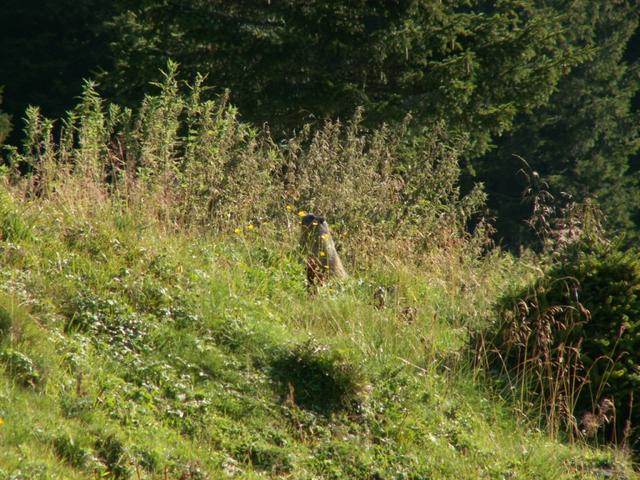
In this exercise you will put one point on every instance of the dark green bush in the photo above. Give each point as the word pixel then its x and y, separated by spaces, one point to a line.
pixel 574 337
pixel 318 378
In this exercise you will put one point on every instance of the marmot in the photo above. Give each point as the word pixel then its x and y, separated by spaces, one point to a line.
pixel 322 260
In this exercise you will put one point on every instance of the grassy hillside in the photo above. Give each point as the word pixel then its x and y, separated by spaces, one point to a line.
pixel 136 351
pixel 154 321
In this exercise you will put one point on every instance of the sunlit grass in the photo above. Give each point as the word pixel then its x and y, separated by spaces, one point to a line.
pixel 157 352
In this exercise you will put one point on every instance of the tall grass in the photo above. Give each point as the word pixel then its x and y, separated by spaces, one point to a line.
pixel 565 345
pixel 190 163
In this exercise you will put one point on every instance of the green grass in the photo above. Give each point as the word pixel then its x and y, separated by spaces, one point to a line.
pixel 134 352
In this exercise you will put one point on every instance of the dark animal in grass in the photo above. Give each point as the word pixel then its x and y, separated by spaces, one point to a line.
pixel 322 260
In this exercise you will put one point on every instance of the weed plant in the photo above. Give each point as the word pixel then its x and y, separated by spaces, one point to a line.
pixel 188 163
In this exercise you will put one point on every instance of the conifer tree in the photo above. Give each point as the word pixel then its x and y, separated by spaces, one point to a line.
pixel 584 140
pixel 474 64
pixel 48 47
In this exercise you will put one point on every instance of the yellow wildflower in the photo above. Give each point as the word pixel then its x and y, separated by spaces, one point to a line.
pixel 250 226
pixel 322 254
pixel 289 207
pixel 238 230
pixel 301 213
pixel 325 236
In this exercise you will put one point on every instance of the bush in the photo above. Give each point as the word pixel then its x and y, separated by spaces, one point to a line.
pixel 574 338
pixel 318 378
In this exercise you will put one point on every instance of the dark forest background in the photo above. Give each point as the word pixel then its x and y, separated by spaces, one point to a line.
pixel 546 92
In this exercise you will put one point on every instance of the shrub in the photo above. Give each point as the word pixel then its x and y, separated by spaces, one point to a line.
pixel 574 338
pixel 318 378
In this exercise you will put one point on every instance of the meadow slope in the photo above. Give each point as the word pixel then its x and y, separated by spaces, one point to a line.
pixel 132 349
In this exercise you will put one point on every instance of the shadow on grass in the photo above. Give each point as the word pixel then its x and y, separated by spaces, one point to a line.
pixel 318 378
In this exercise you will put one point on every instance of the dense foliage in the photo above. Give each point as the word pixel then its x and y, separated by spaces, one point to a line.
pixel 48 47
pixel 573 338
pixel 204 167
pixel 585 140
pixel 473 66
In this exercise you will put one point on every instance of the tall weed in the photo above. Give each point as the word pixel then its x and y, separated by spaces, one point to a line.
pixel 190 163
